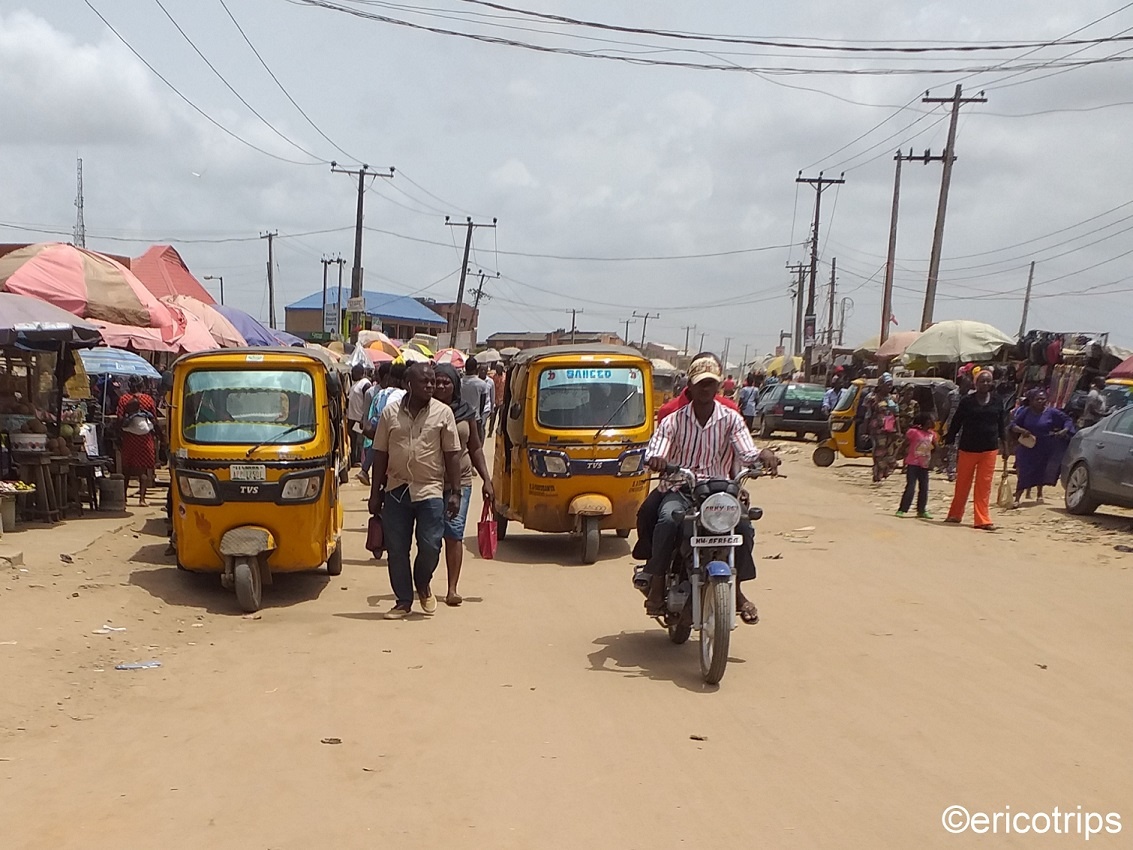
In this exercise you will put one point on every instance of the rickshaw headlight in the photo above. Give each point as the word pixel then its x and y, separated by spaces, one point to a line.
pixel 631 464
pixel 301 488
pixel 196 488
pixel 720 513
pixel 840 425
pixel 555 464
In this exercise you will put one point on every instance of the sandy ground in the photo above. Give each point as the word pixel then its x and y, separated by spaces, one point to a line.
pixel 902 667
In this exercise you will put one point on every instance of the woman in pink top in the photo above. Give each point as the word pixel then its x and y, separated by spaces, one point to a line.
pixel 921 440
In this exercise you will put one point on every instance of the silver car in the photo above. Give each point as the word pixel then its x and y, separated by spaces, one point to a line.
pixel 1098 466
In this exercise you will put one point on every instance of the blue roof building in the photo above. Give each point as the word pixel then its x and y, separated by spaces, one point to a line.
pixel 398 316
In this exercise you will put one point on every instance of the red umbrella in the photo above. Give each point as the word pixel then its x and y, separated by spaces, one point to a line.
pixel 452 356
pixel 377 355
pixel 85 284
pixel 1124 369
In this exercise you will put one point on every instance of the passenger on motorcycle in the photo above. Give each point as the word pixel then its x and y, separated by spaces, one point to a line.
pixel 711 440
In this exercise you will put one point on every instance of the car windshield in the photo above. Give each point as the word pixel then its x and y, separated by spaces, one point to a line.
pixel 591 397
pixel 246 407
pixel 846 400
pixel 805 393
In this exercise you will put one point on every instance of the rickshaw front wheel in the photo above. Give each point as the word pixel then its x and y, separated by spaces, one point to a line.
pixel 823 456
pixel 249 586
pixel 334 562
pixel 623 533
pixel 591 537
pixel 501 526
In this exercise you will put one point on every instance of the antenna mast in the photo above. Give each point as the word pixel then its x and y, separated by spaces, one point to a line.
pixel 80 235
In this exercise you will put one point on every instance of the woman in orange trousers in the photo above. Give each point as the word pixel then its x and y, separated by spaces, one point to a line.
pixel 979 427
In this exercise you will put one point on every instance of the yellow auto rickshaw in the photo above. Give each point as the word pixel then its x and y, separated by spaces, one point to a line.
pixel 256 443
pixel 847 435
pixel 664 381
pixel 572 453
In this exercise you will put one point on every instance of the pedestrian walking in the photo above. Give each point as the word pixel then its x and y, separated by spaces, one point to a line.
pixel 476 393
pixel 356 410
pixel 416 485
pixel 1044 433
pixel 979 427
pixel 748 398
pixel 391 378
pixel 880 420
pixel 138 432
pixel 499 382
pixel 921 440
pixel 1095 408
pixel 471 458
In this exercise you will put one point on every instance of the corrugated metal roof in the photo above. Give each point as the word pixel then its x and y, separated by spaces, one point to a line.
pixel 383 305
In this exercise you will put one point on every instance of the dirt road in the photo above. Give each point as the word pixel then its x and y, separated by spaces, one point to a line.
pixel 902 667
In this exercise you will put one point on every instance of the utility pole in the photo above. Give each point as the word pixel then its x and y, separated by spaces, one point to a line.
pixel 702 336
pixel 942 204
pixel 628 323
pixel 830 317
pixel 1027 301
pixel 727 346
pixel 645 317
pixel 356 271
pixel 743 363
pixel 326 262
pixel 845 302
pixel 338 303
pixel 782 336
pixel 220 277
pixel 797 337
pixel 479 292
pixel 471 225
pixel 269 236
pixel 819 183
pixel 687 328
pixel 891 257
pixel 573 321
pixel 80 234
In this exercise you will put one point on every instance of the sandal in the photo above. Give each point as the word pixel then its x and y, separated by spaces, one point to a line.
pixel 453 600
pixel 988 527
pixel 748 612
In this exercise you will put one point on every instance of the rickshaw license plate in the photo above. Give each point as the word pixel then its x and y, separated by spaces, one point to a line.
pixel 717 540
pixel 249 472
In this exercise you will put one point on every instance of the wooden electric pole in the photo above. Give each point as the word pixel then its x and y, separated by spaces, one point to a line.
pixel 573 322
pixel 1027 301
pixel 269 236
pixel 356 270
pixel 942 204
pixel 819 183
pixel 830 316
pixel 471 225
pixel 628 322
pixel 797 337
pixel 645 317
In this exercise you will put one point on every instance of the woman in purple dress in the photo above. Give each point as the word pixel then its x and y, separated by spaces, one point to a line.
pixel 1043 433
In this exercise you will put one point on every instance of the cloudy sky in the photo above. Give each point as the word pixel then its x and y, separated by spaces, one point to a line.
pixel 618 186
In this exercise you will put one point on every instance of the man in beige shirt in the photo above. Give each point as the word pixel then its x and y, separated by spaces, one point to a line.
pixel 416 481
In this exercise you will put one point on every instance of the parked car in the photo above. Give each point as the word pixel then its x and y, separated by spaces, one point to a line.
pixel 792 407
pixel 1098 466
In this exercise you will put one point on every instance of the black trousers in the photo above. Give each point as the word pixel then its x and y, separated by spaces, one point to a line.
pixel 648 517
pixel 916 478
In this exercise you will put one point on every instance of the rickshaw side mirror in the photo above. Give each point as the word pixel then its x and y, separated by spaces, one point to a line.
pixel 516 410
pixel 334 384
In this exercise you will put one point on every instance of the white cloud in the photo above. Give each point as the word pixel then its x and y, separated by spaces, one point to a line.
pixel 513 174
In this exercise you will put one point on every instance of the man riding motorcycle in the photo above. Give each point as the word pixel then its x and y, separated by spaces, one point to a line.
pixel 708 438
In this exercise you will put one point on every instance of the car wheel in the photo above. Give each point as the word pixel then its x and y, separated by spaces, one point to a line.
pixel 1078 499
pixel 764 429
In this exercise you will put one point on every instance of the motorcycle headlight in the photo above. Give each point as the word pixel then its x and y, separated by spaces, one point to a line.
pixel 631 464
pixel 196 489
pixel 720 513
pixel 301 489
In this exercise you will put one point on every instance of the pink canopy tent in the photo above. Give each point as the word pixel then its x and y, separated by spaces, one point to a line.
pixel 1124 369
pixel 192 333
pixel 134 339
pixel 165 274
pixel 222 330
pixel 85 284
pixel 896 344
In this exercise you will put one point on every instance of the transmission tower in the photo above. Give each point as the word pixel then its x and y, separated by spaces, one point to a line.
pixel 80 235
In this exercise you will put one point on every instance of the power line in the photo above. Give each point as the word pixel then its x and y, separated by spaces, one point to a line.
pixel 183 97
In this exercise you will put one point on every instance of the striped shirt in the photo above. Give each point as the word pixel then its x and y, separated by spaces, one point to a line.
pixel 710 451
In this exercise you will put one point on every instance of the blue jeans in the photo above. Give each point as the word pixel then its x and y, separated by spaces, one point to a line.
pixel 367 458
pixel 399 516
pixel 667 534
pixel 454 528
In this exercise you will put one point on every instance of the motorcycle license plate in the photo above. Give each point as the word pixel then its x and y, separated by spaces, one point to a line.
pixel 249 472
pixel 717 540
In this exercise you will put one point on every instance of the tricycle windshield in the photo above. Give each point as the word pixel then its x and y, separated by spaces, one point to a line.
pixel 846 399
pixel 245 407
pixel 591 397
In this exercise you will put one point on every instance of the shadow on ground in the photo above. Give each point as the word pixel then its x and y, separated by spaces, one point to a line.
pixel 651 655
pixel 533 548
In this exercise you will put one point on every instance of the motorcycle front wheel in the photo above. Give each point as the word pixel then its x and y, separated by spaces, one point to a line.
pixel 715 630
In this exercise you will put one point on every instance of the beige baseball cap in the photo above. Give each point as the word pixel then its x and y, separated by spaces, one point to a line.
pixel 704 369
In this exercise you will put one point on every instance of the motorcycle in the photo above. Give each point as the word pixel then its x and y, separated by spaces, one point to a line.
pixel 700 588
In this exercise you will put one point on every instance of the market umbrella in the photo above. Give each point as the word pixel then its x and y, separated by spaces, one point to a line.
pixel 85 284
pixel 869 347
pixel 115 361
pixel 489 355
pixel 137 339
pixel 286 339
pixel 454 357
pixel 378 341
pixel 783 365
pixel 509 352
pixel 32 323
pixel 896 344
pixel 418 346
pixel 251 329
pixel 957 341
pixel 1124 369
pixel 376 355
pixel 411 355
pixel 192 334
pixel 222 330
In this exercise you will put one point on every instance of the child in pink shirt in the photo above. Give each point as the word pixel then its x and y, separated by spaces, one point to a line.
pixel 921 440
